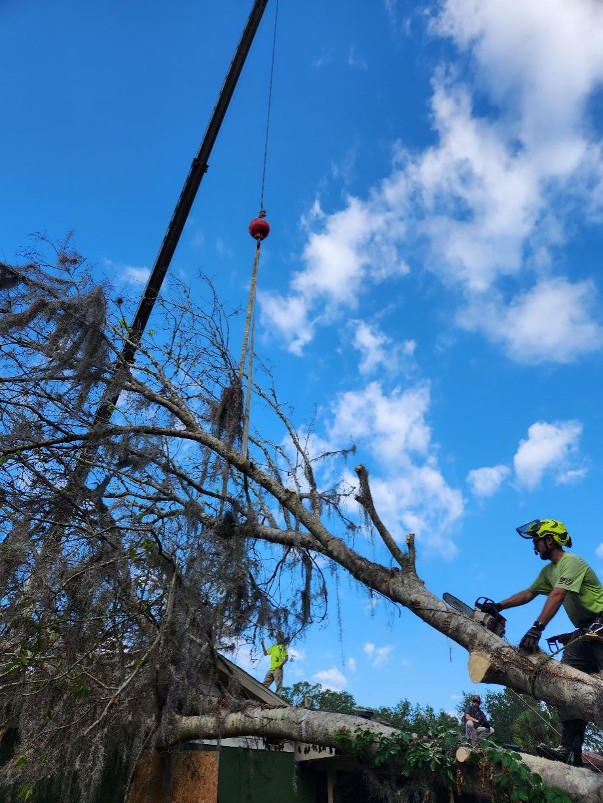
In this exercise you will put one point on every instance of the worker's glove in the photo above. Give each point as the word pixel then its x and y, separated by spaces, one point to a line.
pixel 491 608
pixel 529 642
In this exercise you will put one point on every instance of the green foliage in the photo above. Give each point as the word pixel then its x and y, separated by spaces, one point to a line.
pixel 26 793
pixel 431 756
pixel 515 780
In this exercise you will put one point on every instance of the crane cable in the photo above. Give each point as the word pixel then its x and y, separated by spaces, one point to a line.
pixel 249 329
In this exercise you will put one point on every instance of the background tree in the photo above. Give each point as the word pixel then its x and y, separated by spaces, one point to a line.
pixel 404 715
pixel 136 547
pixel 408 717
pixel 314 696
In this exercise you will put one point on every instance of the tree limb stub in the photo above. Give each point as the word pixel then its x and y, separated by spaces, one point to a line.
pixel 365 499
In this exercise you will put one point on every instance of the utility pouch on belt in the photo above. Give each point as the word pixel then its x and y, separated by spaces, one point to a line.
pixel 557 642
pixel 596 629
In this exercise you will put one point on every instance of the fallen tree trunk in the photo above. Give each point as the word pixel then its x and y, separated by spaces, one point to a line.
pixel 582 784
pixel 321 728
pixel 293 724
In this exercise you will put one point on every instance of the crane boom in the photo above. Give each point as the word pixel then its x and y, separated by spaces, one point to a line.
pixel 174 230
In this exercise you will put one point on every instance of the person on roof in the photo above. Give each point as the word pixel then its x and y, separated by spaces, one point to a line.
pixel 278 658
pixel 567 581
pixel 477 725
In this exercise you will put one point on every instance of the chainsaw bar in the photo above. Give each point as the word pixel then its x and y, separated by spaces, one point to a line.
pixel 458 605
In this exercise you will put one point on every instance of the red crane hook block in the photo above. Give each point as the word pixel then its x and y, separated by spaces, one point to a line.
pixel 259 228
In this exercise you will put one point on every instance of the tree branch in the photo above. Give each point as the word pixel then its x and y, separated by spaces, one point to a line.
pixel 365 499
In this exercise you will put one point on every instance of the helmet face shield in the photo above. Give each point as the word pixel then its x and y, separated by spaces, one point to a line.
pixel 540 528
pixel 529 530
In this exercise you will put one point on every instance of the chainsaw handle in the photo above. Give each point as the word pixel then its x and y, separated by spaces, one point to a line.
pixel 484 601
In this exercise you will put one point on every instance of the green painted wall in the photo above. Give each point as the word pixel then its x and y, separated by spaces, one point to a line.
pixel 245 776
pixel 258 776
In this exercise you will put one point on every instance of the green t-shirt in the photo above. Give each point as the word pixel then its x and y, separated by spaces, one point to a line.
pixel 278 655
pixel 584 600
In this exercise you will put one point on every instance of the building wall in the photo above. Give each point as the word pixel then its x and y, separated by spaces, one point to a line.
pixel 206 775
pixel 260 776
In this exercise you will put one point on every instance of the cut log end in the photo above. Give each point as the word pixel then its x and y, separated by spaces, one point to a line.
pixel 463 754
pixel 479 667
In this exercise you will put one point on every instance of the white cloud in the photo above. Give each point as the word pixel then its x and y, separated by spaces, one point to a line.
pixel 290 316
pixel 571 476
pixel 540 59
pixel 550 323
pixel 379 656
pixel 128 274
pixel 420 501
pixel 486 481
pixel 132 275
pixel 323 60
pixel 599 551
pixel 352 248
pixel 372 345
pixel 393 424
pixel 485 206
pixel 377 349
pixel 223 249
pixel 352 664
pixel 331 679
pixel 339 256
pixel 548 449
pixel 295 655
pixel 408 487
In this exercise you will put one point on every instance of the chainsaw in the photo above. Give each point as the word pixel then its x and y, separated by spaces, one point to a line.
pixel 496 624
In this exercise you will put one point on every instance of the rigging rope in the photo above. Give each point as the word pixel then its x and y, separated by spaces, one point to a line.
pixel 550 725
pixel 245 351
pixel 258 229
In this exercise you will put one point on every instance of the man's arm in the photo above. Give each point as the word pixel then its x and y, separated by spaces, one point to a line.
pixel 553 602
pixel 529 642
pixel 521 598
pixel 264 647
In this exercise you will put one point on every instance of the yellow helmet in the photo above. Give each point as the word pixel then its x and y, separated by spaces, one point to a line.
pixel 540 528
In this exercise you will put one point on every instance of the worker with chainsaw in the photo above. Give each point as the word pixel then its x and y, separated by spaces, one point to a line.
pixel 477 725
pixel 567 581
pixel 278 658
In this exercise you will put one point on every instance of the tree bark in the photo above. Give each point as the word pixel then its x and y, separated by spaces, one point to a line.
pixel 320 727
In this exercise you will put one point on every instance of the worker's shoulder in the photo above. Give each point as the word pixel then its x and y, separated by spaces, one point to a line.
pixel 571 559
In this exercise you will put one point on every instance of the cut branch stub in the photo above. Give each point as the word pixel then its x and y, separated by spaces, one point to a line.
pixel 365 499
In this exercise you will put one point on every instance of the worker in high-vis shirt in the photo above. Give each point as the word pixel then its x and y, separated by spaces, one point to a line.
pixel 278 658
pixel 568 581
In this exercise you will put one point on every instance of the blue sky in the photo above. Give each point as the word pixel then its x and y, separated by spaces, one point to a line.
pixel 430 289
